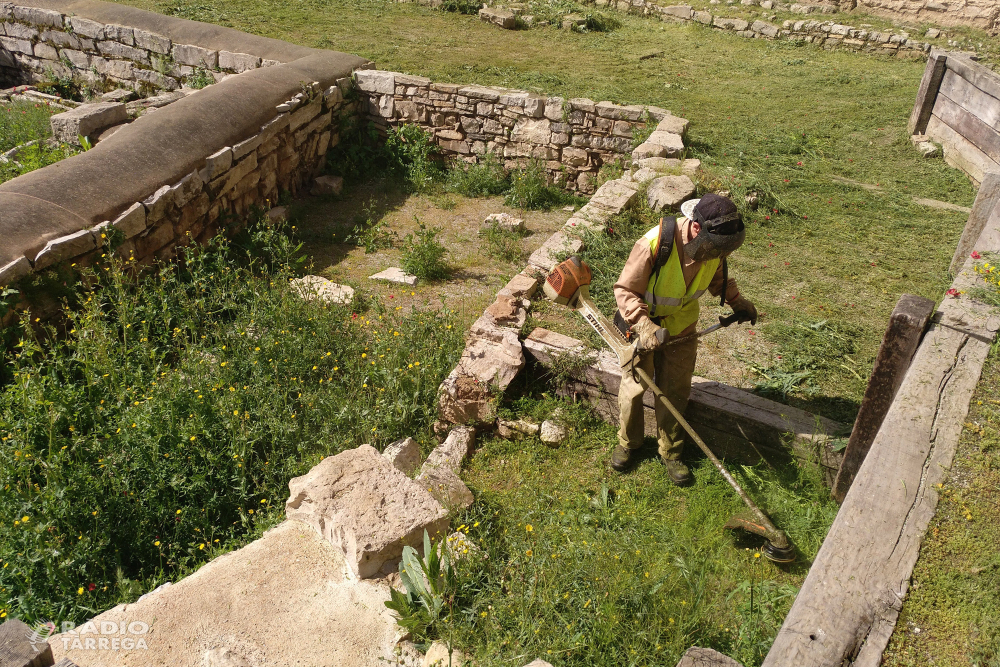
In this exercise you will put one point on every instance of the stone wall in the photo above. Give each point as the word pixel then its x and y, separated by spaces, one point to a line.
pixel 43 40
pixel 171 178
pixel 983 14
pixel 574 138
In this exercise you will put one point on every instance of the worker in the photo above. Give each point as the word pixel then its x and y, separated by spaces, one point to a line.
pixel 659 289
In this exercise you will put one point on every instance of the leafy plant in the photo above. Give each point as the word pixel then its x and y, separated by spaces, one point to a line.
pixel 462 6
pixel 529 189
pixel 502 243
pixel 414 155
pixel 201 78
pixel 372 232
pixel 430 585
pixel 423 254
pixel 486 178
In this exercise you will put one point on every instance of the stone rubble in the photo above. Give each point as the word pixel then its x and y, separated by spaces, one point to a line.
pixel 517 428
pixel 317 287
pixel 668 192
pixel 504 221
pixel 327 185
pixel 404 455
pixel 552 433
pixel 86 120
pixel 395 275
pixel 438 656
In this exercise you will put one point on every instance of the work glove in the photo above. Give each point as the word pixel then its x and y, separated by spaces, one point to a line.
pixel 745 309
pixel 650 335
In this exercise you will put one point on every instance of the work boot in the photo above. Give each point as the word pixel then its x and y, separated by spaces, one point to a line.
pixel 678 472
pixel 621 458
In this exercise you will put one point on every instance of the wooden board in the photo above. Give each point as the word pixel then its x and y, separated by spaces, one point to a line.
pixel 848 605
pixel 981 135
pixel 927 92
pixel 986 206
pixel 959 152
pixel 739 424
pixel 16 650
pixel 972 99
pixel 978 75
pixel 899 344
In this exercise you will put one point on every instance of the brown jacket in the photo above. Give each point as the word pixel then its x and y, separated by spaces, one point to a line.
pixel 634 279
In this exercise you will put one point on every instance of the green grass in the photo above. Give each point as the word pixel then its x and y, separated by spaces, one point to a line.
pixel 160 424
pixel 21 122
pixel 586 566
pixel 757 108
pixel 951 615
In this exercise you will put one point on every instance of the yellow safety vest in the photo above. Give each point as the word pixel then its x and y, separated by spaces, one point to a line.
pixel 669 299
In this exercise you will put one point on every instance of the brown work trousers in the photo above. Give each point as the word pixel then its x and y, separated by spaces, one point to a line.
pixel 673 366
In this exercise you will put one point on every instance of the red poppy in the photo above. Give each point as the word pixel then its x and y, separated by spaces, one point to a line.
pixel 952 292
pixel 91 587
pixel 975 255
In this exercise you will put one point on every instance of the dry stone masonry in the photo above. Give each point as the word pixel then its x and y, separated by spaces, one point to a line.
pixel 39 44
pixel 573 138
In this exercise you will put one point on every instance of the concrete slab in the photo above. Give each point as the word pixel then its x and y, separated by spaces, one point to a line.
pixel 282 600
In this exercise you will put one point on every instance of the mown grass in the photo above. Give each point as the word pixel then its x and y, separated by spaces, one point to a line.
pixel 585 566
pixel 160 425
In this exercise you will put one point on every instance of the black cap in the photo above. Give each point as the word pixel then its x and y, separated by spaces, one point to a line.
pixel 718 215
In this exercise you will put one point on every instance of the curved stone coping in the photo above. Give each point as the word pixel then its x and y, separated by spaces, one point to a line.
pixel 157 149
pixel 180 31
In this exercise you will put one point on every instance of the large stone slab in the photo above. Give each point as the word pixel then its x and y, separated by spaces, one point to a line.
pixel 395 275
pixel 317 287
pixel 697 656
pixel 446 486
pixel 365 507
pixel 282 601
pixel 86 120
pixel 404 455
pixel 554 249
pixel 453 451
pixel 668 192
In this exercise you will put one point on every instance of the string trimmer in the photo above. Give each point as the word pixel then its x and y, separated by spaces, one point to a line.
pixel 569 284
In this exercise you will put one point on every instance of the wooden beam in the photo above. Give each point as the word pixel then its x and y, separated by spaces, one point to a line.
pixel 969 126
pixel 978 75
pixel 16 649
pixel 983 105
pixel 848 605
pixel 985 208
pixel 959 152
pixel 735 423
pixel 902 336
pixel 927 92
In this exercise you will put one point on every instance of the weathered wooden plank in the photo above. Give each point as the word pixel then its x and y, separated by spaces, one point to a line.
pixel 902 336
pixel 959 152
pixel 986 207
pixel 848 605
pixel 981 135
pixel 740 424
pixel 978 75
pixel 16 649
pixel 972 99
pixel 928 90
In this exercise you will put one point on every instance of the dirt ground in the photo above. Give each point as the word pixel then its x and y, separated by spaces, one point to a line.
pixel 477 275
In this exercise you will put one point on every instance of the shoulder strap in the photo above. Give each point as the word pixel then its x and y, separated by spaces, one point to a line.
pixel 668 226
pixel 725 281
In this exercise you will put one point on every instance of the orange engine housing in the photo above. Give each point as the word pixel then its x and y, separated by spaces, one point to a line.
pixel 566 279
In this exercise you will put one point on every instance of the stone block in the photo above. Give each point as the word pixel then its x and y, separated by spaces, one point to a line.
pixel 113 49
pixel 319 288
pixel 404 455
pixel 79 60
pixel 538 662
pixel 65 247
pixel 46 52
pixel 703 17
pixel 520 286
pixel 152 41
pixel 552 251
pixel 86 27
pixel 668 192
pixel 195 56
pixel 671 142
pixel 678 11
pixel 501 17
pixel 552 433
pixel 648 150
pixel 438 655
pixel 365 507
pixel 706 657
pixel 487 366
pixel 453 451
pixel 446 487
pixel 327 185
pixel 17 45
pixel 20 31
pixel 658 163
pixel 60 38
pixel 86 119
pixel 38 16
pixel 132 222
pixel 516 429
pixel 217 163
pixel 238 62
pixel 14 270
pixel 395 275
pixel 672 125
pixel 375 81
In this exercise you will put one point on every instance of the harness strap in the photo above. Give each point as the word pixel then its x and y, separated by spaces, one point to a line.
pixel 725 280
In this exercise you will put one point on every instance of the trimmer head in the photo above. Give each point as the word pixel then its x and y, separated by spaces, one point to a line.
pixel 777 547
